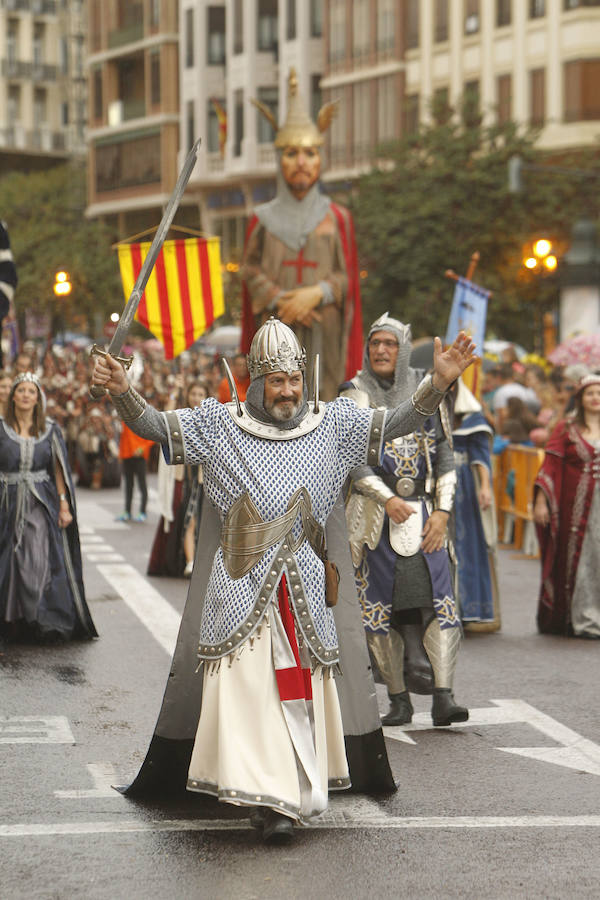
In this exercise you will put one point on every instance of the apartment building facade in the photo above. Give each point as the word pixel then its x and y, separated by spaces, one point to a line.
pixel 42 82
pixel 133 112
pixel 233 51
pixel 390 62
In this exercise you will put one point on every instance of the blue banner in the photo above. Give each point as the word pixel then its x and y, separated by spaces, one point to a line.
pixel 468 313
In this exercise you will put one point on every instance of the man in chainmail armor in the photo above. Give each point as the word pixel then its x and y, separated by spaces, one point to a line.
pixel 397 513
pixel 270 734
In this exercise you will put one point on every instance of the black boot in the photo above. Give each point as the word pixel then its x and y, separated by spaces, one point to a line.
pixel 444 710
pixel 277 828
pixel 418 673
pixel 401 710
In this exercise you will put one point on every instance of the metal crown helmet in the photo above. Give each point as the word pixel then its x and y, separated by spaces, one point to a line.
pixel 298 130
pixel 275 348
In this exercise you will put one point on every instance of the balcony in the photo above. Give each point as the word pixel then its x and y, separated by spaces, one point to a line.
pixel 14 5
pixel 16 68
pixel 265 155
pixel 214 163
pixel 131 29
pixel 43 72
pixel 43 7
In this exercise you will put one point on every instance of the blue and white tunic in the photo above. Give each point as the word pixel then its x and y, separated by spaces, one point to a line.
pixel 270 472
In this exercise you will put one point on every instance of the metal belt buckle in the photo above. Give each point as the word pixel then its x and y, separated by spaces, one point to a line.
pixel 405 486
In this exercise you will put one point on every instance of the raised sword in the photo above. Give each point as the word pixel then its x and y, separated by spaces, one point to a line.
pixel 128 315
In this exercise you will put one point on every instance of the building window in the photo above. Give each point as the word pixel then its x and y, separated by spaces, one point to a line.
pixel 39 106
pixel 155 77
pixel 504 99
pixel 582 98
pixel 270 97
pixel 410 123
pixel 266 35
pixel 537 96
pixel 238 134
pixel 238 27
pixel 128 163
pixel 316 96
pixel 537 9
pixel 575 4
pixel 189 38
pixel 471 113
pixel 39 35
pixel 503 12
pixel 471 16
pixel 214 125
pixel 411 24
pixel 290 26
pixel 337 31
pixel 338 130
pixel 440 106
pixel 13 108
pixel 386 25
pixel 363 133
pixel 215 50
pixel 387 128
pixel 360 29
pixel 440 28
pixel 154 13
pixel 64 114
pixel 97 90
pixel 316 18
pixel 190 124
pixel 63 52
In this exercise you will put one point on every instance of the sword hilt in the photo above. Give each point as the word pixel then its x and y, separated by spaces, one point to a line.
pixel 96 390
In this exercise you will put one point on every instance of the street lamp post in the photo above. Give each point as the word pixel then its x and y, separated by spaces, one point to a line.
pixel 540 262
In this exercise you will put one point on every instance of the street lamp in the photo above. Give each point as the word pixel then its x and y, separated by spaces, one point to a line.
pixel 62 284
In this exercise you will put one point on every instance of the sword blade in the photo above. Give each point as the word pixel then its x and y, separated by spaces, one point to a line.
pixel 128 314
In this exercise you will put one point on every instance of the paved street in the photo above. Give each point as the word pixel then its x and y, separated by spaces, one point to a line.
pixel 504 806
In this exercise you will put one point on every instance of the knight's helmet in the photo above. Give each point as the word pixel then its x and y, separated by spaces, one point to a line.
pixel 298 129
pixel 275 348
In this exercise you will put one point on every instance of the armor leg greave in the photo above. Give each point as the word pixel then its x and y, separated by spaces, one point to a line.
pixel 441 646
pixel 388 652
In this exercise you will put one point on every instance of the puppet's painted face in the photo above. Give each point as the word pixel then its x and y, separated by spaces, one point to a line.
pixel 300 167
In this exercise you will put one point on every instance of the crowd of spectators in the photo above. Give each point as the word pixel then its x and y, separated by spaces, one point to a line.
pixel 91 428
pixel 524 401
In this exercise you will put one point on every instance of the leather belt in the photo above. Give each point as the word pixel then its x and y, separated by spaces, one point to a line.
pixel 405 486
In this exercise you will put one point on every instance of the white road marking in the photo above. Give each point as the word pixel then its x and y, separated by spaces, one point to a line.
pixel 110 556
pixel 86 538
pixel 574 752
pixel 153 611
pixel 90 511
pixel 129 826
pixel 35 730
pixel 103 777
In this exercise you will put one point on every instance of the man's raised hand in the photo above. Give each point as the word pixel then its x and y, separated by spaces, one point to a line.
pixel 449 364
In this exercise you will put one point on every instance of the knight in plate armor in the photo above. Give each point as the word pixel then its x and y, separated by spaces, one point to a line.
pixel 397 512
pixel 270 735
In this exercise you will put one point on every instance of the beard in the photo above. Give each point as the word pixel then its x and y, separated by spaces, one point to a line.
pixel 283 410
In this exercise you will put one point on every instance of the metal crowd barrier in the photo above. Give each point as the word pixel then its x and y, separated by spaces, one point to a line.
pixel 515 470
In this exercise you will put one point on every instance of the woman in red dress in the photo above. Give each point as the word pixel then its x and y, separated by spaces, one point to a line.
pixel 567 514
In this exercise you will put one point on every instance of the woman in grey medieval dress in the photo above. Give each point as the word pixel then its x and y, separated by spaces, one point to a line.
pixel 41 587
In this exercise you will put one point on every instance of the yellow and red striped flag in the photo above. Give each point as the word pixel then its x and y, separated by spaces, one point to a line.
pixel 184 294
pixel 222 120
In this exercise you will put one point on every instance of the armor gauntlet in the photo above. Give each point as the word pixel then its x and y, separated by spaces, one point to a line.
pixel 445 488
pixel 427 398
pixel 145 420
pixel 372 486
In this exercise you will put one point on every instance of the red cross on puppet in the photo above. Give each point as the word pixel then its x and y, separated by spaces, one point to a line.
pixel 300 263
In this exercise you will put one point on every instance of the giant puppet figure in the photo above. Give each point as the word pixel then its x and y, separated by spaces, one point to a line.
pixel 264 719
pixel 300 258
